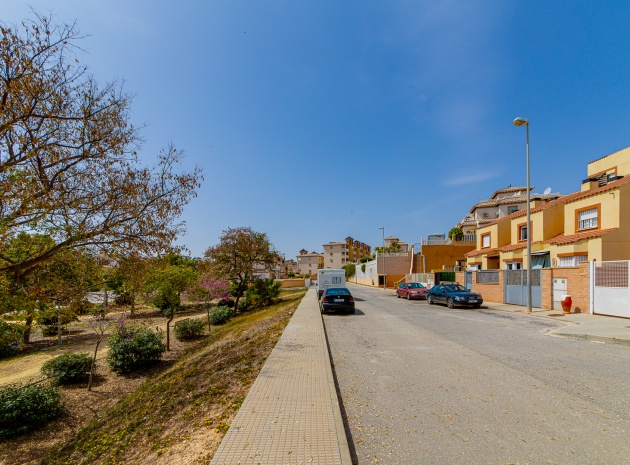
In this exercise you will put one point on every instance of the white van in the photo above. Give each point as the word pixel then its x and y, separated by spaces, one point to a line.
pixel 329 278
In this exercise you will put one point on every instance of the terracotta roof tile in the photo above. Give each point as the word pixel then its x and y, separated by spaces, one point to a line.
pixel 575 196
pixel 562 239
pixel 511 247
pixel 474 253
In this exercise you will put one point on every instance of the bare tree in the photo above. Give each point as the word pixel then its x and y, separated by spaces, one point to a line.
pixel 99 323
pixel 68 155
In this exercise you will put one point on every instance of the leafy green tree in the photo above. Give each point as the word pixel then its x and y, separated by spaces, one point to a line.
pixel 166 283
pixel 239 252
pixel 456 234
pixel 64 279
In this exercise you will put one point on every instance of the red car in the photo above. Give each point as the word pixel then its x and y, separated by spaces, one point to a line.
pixel 411 291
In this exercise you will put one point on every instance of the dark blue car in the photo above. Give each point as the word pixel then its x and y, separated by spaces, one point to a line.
pixel 453 295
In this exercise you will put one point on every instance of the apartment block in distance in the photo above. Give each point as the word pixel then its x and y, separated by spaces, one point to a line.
pixel 336 255
pixel 309 263
pixel 357 250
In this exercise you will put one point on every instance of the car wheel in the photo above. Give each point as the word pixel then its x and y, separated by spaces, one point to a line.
pixel 449 303
pixel 397 295
pixel 408 297
pixel 429 300
pixel 476 305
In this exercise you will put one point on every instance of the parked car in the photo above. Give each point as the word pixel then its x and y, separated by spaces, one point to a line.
pixel 411 291
pixel 453 295
pixel 336 299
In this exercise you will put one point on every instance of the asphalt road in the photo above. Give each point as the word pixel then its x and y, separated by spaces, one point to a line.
pixel 424 384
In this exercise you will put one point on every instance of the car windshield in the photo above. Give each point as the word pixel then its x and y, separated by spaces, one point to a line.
pixel 415 286
pixel 456 288
pixel 338 291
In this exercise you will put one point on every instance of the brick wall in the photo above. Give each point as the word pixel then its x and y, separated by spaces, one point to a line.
pixel 577 287
pixel 489 292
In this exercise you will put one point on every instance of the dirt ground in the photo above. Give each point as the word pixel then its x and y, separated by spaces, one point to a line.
pixel 78 338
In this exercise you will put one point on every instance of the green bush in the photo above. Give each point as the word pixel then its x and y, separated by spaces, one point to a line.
pixel 134 346
pixel 363 268
pixel 68 368
pixel 24 408
pixel 350 269
pixel 190 328
pixel 244 305
pixel 263 292
pixel 10 338
pixel 220 315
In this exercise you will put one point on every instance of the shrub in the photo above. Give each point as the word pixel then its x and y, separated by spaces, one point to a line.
pixel 68 368
pixel 10 338
pixel 263 292
pixel 134 346
pixel 24 408
pixel 220 315
pixel 229 303
pixel 350 269
pixel 187 329
pixel 363 268
pixel 244 305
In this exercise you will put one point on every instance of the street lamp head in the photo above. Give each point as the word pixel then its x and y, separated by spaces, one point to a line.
pixel 520 121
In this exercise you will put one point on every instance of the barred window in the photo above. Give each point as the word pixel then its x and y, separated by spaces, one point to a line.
pixel 587 219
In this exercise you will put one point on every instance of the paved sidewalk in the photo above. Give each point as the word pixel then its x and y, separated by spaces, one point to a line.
pixel 598 328
pixel 291 414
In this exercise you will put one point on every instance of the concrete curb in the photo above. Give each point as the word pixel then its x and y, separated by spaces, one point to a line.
pixel 344 448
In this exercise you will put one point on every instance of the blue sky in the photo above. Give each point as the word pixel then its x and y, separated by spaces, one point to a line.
pixel 318 120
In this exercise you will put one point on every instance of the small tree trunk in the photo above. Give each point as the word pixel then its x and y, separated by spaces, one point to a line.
pixel 208 312
pixel 168 331
pixel 98 341
pixel 28 324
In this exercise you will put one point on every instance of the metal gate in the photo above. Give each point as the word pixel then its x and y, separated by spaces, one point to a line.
pixel 516 287
pixel 468 280
pixel 609 288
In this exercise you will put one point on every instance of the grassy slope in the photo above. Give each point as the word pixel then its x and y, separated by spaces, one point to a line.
pixel 181 415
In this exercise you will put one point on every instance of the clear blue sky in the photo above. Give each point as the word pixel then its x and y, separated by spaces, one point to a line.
pixel 318 120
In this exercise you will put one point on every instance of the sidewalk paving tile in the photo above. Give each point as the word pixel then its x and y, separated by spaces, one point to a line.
pixel 291 414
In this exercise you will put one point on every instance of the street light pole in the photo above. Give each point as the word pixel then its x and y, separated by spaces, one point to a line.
pixel 520 121
pixel 383 253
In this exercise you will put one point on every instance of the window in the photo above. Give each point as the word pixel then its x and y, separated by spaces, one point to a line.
pixel 512 209
pixel 475 267
pixel 485 241
pixel 513 265
pixel 522 232
pixel 588 218
pixel 574 260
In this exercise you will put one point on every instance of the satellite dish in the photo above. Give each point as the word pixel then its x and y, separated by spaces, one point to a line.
pixel 547 191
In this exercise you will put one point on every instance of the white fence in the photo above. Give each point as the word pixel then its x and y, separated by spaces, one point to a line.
pixel 609 290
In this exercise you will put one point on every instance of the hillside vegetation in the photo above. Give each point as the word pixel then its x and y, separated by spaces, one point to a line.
pixel 180 413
